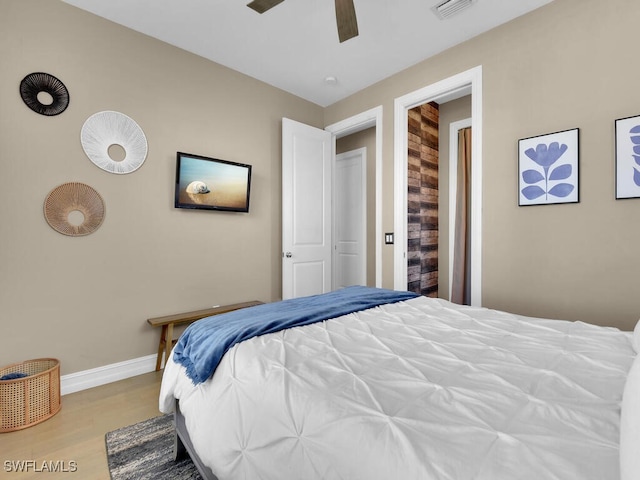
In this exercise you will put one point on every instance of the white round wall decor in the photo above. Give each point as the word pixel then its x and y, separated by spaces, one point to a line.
pixel 105 129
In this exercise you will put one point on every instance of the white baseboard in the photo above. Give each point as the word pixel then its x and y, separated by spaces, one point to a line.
pixel 74 382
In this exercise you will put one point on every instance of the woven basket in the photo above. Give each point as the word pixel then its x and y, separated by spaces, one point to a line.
pixel 29 400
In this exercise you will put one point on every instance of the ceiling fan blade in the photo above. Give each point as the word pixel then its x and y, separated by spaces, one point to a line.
pixel 262 6
pixel 346 20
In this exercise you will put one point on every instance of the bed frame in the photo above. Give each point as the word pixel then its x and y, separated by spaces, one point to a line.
pixel 183 447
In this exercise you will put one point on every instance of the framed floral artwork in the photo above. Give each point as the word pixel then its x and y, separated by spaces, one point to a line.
pixel 548 168
pixel 628 157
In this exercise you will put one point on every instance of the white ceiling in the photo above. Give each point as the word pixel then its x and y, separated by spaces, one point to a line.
pixel 294 46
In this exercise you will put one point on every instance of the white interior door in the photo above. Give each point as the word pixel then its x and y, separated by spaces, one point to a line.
pixel 350 225
pixel 306 210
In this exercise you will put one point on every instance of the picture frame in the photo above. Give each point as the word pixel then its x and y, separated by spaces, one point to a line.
pixel 548 168
pixel 627 157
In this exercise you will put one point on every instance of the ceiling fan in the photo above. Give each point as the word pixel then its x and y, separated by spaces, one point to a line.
pixel 345 15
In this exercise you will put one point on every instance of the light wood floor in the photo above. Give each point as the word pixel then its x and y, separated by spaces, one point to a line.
pixel 77 431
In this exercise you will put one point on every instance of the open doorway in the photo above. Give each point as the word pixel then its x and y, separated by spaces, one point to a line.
pixel 469 82
pixel 365 130
pixel 437 202
pixel 355 196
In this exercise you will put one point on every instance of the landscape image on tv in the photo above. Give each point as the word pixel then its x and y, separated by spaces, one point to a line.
pixel 209 183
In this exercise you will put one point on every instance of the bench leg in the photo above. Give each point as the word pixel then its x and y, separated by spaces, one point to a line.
pixel 168 342
pixel 161 344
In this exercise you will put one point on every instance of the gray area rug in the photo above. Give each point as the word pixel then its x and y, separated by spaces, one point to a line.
pixel 145 451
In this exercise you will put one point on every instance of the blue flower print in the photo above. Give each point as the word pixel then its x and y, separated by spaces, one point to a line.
pixel 545 156
pixel 635 139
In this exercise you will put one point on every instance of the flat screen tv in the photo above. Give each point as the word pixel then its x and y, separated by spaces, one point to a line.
pixel 211 184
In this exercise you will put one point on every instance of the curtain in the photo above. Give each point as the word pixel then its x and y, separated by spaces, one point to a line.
pixel 461 282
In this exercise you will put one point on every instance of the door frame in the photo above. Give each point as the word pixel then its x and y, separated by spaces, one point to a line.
pixel 362 121
pixel 472 79
pixel 361 155
pixel 454 128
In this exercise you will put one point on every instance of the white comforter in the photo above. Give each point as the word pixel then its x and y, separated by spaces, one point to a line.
pixel 421 389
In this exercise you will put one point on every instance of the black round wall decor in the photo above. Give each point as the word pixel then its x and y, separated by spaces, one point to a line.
pixel 37 82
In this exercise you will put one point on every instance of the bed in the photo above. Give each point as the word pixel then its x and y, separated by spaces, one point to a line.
pixel 404 387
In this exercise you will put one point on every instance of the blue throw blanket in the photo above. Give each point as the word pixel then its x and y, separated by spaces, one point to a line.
pixel 202 345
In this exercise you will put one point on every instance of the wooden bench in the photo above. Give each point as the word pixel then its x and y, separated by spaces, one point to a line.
pixel 169 321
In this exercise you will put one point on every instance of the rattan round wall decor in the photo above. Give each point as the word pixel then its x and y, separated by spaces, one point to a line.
pixel 39 82
pixel 104 129
pixel 70 198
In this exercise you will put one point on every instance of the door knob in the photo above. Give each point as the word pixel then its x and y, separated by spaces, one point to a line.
pixel 288 255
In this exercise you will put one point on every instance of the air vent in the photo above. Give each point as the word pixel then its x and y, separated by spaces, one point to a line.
pixel 449 8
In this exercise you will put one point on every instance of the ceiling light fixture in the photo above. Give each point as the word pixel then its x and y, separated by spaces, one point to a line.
pixel 331 80
pixel 449 8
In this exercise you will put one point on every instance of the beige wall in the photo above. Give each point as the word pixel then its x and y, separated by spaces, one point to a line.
pixel 367 139
pixel 85 300
pixel 568 64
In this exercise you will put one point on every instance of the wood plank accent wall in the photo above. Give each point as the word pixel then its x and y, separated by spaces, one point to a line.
pixel 422 199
